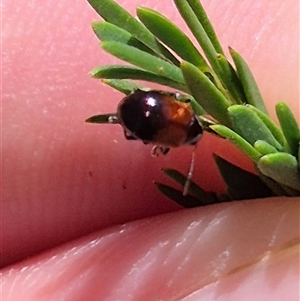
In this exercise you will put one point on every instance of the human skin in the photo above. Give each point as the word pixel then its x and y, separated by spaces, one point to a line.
pixel 63 179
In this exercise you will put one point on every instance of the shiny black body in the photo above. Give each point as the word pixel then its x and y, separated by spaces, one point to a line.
pixel 158 117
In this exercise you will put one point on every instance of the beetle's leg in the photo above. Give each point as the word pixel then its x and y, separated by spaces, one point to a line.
pixel 158 149
pixel 129 136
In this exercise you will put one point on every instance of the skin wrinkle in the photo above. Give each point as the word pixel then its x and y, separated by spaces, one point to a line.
pixel 180 254
pixel 225 14
pixel 66 278
pixel 263 31
pixel 186 258
pixel 246 8
pixel 194 245
pixel 164 274
pixel 266 259
pixel 212 260
pixel 30 281
pixel 13 283
pixel 111 241
pixel 276 230
pixel 215 295
pixel 169 270
pixel 266 256
pixel 139 274
pixel 219 264
pixel 34 271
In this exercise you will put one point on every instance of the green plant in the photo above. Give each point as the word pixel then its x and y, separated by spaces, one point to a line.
pixel 225 92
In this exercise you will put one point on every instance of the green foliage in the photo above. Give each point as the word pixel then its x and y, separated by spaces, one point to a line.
pixel 225 95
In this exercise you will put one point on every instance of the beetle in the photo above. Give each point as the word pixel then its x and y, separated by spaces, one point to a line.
pixel 157 117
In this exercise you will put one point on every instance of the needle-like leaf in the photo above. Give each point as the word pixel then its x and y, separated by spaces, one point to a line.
pixel 248 82
pixel 270 124
pixel 144 60
pixel 202 195
pixel 240 182
pixel 106 31
pixel 248 124
pixel 130 72
pixel 281 167
pixel 187 201
pixel 172 36
pixel 218 92
pixel 112 12
pixel 206 93
pixel 200 13
pixel 239 141
pixel 264 147
pixel 124 86
pixel 102 118
pixel 289 127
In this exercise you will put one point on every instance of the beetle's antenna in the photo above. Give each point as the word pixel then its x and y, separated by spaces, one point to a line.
pixel 190 174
